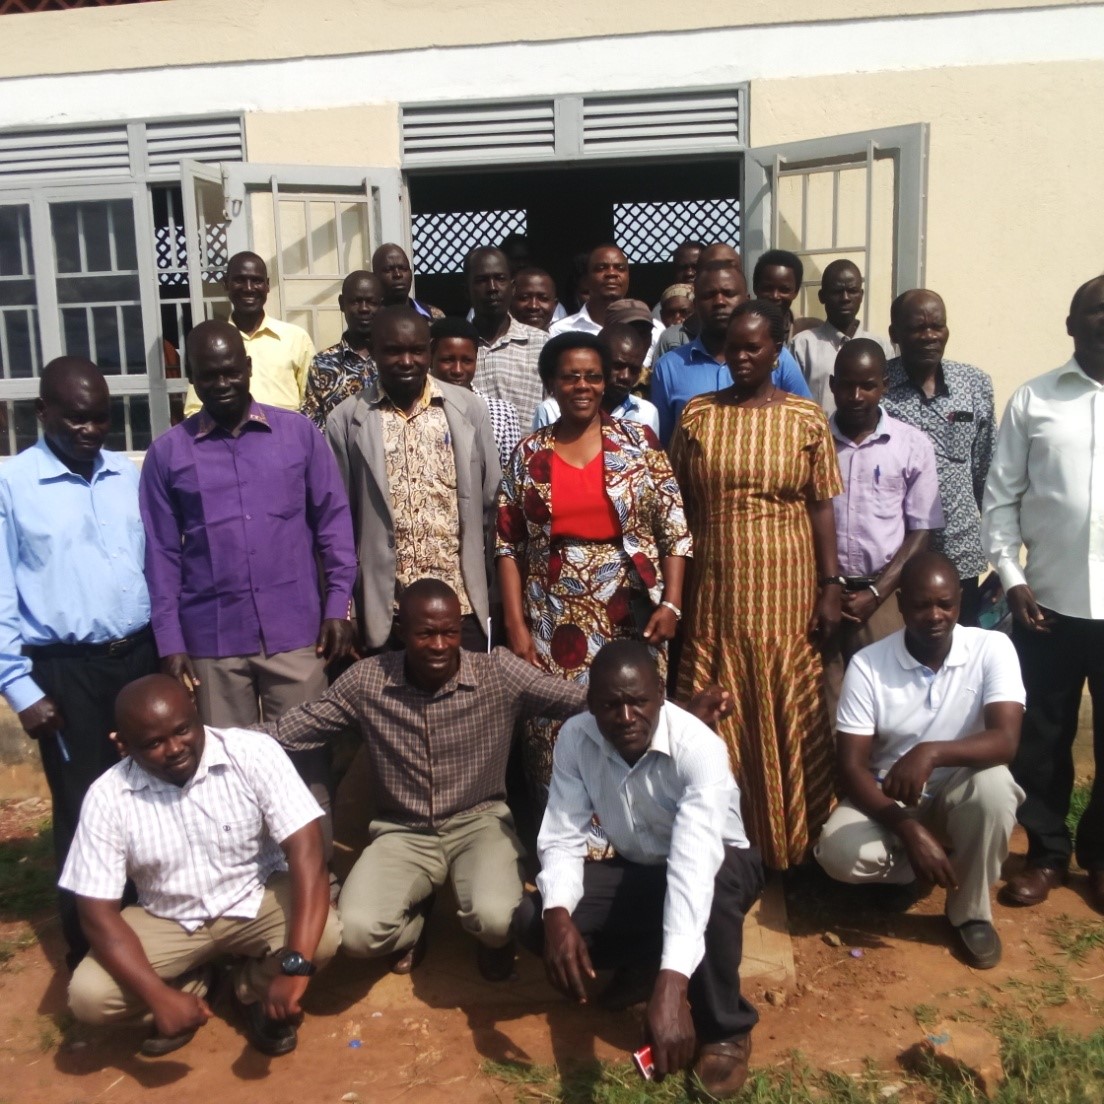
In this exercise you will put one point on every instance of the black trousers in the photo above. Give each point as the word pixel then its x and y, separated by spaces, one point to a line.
pixel 621 918
pixel 1055 667
pixel 84 689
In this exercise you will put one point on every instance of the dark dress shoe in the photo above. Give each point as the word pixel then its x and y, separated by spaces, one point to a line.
pixel 722 1068
pixel 979 944
pixel 157 1046
pixel 406 961
pixel 496 963
pixel 1032 885
pixel 630 985
pixel 271 1037
pixel 1096 888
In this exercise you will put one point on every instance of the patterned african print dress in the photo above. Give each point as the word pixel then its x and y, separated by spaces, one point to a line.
pixel 747 475
pixel 580 594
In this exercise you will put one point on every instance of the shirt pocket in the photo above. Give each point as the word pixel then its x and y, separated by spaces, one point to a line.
pixel 238 842
pixel 888 496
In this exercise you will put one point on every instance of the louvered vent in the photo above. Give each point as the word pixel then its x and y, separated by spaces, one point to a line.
pixel 474 132
pixel 664 122
pixel 65 153
pixel 167 144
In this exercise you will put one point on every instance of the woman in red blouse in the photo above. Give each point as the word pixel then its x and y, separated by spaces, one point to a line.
pixel 592 538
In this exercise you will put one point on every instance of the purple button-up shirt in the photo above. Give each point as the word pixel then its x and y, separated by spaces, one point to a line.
pixel 232 527
pixel 890 488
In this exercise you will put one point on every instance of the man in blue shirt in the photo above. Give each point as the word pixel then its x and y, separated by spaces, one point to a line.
pixel 699 367
pixel 74 609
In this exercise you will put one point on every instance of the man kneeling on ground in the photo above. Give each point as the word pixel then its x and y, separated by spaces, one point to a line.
pixel 929 719
pixel 224 844
pixel 668 911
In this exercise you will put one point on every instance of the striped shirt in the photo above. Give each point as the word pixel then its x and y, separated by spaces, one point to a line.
pixel 197 852
pixel 678 805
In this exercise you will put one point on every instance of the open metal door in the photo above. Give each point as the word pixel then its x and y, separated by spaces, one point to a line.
pixel 860 196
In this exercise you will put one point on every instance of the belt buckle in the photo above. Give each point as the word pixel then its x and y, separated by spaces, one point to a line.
pixel 117 647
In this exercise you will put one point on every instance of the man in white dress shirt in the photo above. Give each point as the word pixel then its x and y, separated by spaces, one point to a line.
pixel 224 844
pixel 683 878
pixel 1045 493
pixel 928 720
pixel 841 295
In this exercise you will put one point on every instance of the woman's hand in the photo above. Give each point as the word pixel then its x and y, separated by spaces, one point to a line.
pixel 661 627
pixel 520 641
pixel 825 622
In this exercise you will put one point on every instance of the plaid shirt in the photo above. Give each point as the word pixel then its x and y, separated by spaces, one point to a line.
pixel 508 368
pixel 960 422
pixel 335 374
pixel 432 755
pixel 197 852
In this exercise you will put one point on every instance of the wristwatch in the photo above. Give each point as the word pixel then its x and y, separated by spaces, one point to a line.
pixel 293 964
pixel 830 580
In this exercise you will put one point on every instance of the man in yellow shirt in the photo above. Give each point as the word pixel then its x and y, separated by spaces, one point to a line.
pixel 280 353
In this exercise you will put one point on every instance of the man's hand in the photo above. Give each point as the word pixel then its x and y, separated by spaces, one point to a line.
pixel 281 1002
pixel 906 779
pixel 711 705
pixel 336 640
pixel 176 1012
pixel 858 606
pixel 926 856
pixel 825 621
pixel 566 960
pixel 179 666
pixel 520 641
pixel 661 627
pixel 43 718
pixel 1028 612
pixel 670 1026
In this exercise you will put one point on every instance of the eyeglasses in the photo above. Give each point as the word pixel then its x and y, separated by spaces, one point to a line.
pixel 573 378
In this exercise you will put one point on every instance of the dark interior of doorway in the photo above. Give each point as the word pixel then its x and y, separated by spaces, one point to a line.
pixel 569 209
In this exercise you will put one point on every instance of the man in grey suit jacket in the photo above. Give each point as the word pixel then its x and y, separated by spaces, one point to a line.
pixel 419 461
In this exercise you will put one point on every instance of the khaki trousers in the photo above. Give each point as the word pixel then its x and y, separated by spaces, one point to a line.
pixel 382 901
pixel 883 622
pixel 971 813
pixel 176 955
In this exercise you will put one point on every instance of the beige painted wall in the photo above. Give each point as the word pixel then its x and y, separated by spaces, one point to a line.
pixel 193 32
pixel 364 135
pixel 1015 221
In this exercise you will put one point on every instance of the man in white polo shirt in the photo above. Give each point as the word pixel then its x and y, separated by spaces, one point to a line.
pixel 928 720
pixel 224 845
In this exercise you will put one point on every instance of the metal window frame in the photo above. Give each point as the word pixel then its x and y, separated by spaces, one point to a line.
pixel 907 145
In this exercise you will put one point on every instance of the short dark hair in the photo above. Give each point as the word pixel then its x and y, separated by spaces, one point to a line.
pixel 1082 291
pixel 782 258
pixel 924 564
pixel 763 308
pixel 550 355
pixel 444 328
pixel 619 655
pixel 478 251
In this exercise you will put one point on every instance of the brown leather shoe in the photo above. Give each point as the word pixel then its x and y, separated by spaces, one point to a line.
pixel 722 1068
pixel 1096 888
pixel 1032 885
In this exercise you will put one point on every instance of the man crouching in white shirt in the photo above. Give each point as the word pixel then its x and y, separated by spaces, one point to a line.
pixel 929 719
pixel 224 844
pixel 675 895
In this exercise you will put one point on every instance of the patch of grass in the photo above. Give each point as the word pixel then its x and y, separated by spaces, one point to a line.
pixel 1078 800
pixel 9 948
pixel 925 1015
pixel 27 875
pixel 1076 938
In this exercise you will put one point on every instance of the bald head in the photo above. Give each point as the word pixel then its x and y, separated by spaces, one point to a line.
pixel 145 698
pixel 426 591
pixel 220 371
pixel 430 624
pixel 157 725
pixel 912 300
pixel 61 376
pixel 926 569
pixel 862 354
pixel 211 338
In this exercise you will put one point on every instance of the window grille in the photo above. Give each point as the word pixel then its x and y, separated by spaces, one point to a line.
pixel 650 232
pixel 443 239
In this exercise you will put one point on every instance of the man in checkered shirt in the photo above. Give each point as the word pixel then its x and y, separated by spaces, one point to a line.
pixel 224 844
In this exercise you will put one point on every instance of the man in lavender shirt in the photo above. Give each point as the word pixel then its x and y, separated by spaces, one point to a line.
pixel 890 503
pixel 238 501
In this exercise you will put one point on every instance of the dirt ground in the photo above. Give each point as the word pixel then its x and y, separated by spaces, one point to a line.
pixel 425 1037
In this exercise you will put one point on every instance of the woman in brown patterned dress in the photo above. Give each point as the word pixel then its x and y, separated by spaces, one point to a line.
pixel 758 471
pixel 592 538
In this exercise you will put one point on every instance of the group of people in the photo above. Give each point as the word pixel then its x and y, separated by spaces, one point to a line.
pixel 780 522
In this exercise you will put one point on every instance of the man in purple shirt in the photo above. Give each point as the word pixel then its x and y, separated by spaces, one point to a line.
pixel 890 503
pixel 238 500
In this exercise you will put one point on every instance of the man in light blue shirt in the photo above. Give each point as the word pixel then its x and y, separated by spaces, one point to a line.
pixel 674 896
pixel 74 608
pixel 627 348
pixel 699 367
